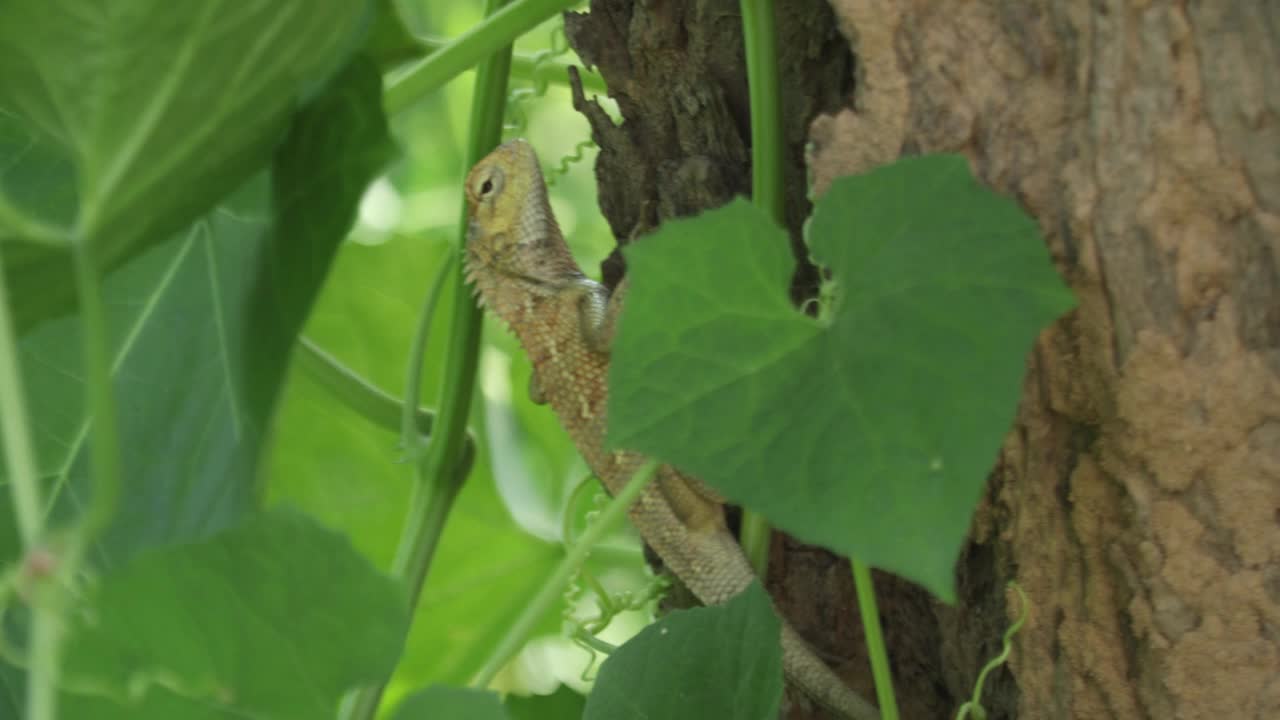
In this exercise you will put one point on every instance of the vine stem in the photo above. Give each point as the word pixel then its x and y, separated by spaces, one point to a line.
pixel 496 31
pixel 549 594
pixel 410 435
pixel 875 641
pixel 760 40
pixel 356 392
pixel 442 469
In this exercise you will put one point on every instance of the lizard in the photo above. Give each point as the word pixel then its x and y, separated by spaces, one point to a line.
pixel 523 272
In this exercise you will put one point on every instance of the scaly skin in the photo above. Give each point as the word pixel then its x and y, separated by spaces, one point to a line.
pixel 524 273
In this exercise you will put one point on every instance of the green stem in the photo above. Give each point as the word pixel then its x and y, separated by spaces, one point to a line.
pixel 441 460
pixel 440 465
pixel 100 395
pixel 767 190
pixel 104 440
pixel 551 590
pixel 369 401
pixel 24 482
pixel 491 35
pixel 410 436
pixel 875 641
pixel 761 43
pixel 45 658
pixel 448 457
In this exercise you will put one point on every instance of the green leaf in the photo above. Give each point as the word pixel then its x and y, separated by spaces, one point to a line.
pixel 201 328
pixel 450 702
pixel 277 617
pixel 162 108
pixel 187 442
pixel 872 430
pixel 338 144
pixel 713 662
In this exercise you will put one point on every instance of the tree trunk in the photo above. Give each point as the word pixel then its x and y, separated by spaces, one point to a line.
pixel 1137 498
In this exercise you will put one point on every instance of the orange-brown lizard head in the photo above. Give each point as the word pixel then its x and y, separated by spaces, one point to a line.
pixel 514 246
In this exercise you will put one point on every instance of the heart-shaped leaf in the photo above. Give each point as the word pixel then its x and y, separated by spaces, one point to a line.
pixel 871 429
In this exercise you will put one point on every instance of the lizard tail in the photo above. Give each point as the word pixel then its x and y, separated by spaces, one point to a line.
pixel 818 681
pixel 710 562
pixel 730 575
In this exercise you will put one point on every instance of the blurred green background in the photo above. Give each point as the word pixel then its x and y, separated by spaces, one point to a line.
pixel 506 531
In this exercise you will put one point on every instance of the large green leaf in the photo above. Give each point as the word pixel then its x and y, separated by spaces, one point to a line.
pixel 187 443
pixel 275 618
pixel 162 108
pixel 201 328
pixel 871 430
pixel 390 43
pixel 713 662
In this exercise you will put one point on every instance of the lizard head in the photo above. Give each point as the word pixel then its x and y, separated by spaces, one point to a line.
pixel 513 241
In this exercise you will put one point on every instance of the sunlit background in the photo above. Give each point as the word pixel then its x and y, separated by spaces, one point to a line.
pixel 506 532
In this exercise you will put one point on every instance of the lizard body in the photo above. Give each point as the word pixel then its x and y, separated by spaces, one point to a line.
pixel 524 273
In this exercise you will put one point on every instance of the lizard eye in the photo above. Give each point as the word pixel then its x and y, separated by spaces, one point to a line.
pixel 490 183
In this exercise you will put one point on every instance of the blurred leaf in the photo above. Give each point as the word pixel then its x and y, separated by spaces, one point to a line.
pixel 338 144
pixel 563 704
pixel 187 441
pixel 37 179
pixel 162 108
pixel 871 432
pixel 202 326
pixel 713 662
pixel 390 43
pixel 277 617
pixel 158 704
pixel 13 689
pixel 451 702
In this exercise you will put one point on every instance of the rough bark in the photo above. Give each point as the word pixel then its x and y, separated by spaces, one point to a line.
pixel 677 71
pixel 1137 499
